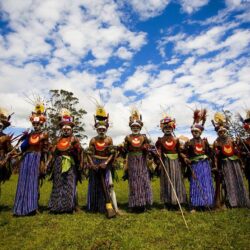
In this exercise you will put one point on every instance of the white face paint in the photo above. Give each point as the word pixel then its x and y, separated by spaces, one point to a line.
pixel 36 126
pixel 101 132
pixel 167 130
pixel 135 129
pixel 1 127
pixel 66 130
pixel 196 133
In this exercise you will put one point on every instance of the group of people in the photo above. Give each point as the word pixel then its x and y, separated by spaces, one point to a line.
pixel 66 160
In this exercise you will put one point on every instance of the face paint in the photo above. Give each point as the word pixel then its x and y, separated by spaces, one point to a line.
pixel 222 133
pixel 36 126
pixel 135 130
pixel 167 130
pixel 101 132
pixel 66 131
pixel 196 133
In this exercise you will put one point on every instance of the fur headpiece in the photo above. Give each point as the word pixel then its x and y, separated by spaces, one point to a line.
pixel 199 119
pixel 66 118
pixel 4 118
pixel 220 122
pixel 135 118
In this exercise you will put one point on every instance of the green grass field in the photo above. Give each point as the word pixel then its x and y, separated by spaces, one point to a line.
pixel 155 229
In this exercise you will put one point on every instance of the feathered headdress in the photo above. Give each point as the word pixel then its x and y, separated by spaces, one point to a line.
pixel 4 117
pixel 220 122
pixel 167 121
pixel 101 117
pixel 38 115
pixel 65 118
pixel 199 119
pixel 135 118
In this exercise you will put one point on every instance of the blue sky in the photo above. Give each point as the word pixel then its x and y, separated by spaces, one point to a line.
pixel 155 54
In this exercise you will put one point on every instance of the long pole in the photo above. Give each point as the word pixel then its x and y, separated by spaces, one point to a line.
pixel 171 183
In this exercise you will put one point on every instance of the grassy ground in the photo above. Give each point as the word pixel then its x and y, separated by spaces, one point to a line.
pixel 155 229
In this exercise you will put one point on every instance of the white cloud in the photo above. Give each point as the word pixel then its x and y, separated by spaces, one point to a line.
pixel 191 6
pixel 148 8
pixel 76 30
pixel 123 53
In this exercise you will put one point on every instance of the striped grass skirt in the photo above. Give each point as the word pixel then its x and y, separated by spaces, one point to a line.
pixel 235 190
pixel 201 185
pixel 140 192
pixel 27 193
pixel 173 168
pixel 63 195
pixel 96 199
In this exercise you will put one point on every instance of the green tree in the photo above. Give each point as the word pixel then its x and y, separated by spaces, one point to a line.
pixel 64 99
pixel 235 125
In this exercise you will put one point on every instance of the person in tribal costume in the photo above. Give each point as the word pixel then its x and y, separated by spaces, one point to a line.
pixel 229 166
pixel 168 148
pixel 136 146
pixel 65 163
pixel 34 153
pixel 198 155
pixel 101 195
pixel 245 148
pixel 6 148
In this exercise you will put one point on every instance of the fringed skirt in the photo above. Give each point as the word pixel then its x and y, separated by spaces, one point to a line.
pixel 174 171
pixel 140 192
pixel 201 185
pixel 96 198
pixel 236 193
pixel 27 192
pixel 63 196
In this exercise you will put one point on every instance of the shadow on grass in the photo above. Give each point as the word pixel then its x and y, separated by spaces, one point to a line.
pixel 4 208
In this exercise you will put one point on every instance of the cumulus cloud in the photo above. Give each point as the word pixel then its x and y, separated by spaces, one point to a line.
pixel 191 6
pixel 148 8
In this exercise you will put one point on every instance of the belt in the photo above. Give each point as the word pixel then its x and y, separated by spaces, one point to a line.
pixel 198 158
pixel 171 156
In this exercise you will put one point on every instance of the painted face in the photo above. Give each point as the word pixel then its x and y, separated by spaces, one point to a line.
pixel 196 133
pixel 167 130
pixel 66 131
pixel 101 132
pixel 135 129
pixel 1 127
pixel 222 133
pixel 36 126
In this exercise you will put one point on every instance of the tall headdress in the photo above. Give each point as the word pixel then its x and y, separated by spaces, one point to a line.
pixel 167 121
pixel 65 118
pixel 199 119
pixel 220 122
pixel 38 115
pixel 135 118
pixel 101 117
pixel 4 118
